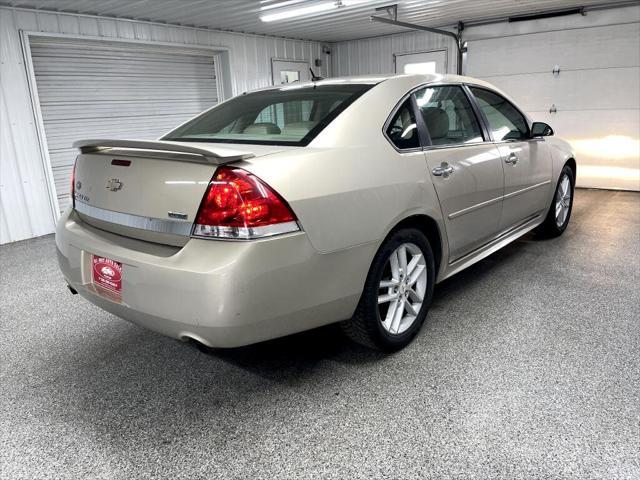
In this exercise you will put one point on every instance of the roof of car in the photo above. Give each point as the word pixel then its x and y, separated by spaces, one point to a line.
pixel 417 79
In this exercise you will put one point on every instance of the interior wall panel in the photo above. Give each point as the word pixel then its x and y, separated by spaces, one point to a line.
pixel 25 201
pixel 25 205
pixel 375 55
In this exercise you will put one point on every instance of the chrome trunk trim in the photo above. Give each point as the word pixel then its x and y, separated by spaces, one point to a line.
pixel 160 225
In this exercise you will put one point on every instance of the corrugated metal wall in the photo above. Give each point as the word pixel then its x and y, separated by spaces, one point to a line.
pixel 375 55
pixel 25 201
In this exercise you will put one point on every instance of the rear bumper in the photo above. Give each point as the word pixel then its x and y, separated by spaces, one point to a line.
pixel 221 293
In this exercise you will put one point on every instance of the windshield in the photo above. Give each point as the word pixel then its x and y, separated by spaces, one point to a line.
pixel 286 116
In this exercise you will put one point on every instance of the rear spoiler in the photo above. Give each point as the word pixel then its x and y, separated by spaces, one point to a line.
pixel 216 156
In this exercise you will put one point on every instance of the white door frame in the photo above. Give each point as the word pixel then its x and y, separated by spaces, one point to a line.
pixel 220 54
pixel 444 49
pixel 39 124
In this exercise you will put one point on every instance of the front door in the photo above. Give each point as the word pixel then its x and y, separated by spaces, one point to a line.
pixel 526 161
pixel 466 171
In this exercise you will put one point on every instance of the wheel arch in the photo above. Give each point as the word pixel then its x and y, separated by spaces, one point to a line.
pixel 430 228
pixel 571 162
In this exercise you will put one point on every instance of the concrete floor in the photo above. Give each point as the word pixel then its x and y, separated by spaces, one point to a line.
pixel 528 366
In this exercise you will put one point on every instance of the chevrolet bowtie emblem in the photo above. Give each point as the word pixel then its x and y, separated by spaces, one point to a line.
pixel 114 185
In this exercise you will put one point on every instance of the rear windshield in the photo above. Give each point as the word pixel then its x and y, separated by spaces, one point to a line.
pixel 289 115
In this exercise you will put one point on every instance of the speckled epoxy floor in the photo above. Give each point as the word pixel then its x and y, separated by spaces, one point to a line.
pixel 528 367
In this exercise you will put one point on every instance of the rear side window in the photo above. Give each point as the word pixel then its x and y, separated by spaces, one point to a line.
pixel 448 116
pixel 505 121
pixel 403 130
pixel 291 115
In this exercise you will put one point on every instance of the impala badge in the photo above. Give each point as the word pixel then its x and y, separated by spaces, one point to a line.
pixel 178 215
pixel 114 185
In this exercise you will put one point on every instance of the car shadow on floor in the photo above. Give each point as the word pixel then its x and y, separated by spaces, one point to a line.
pixel 151 358
pixel 133 380
pixel 329 342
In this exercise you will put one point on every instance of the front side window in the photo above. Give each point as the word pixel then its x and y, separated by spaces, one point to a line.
pixel 283 116
pixel 505 121
pixel 403 130
pixel 448 116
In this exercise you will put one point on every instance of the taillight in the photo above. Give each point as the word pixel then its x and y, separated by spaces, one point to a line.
pixel 239 205
pixel 73 184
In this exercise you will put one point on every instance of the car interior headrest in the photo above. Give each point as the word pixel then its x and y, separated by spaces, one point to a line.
pixel 298 129
pixel 263 128
pixel 437 122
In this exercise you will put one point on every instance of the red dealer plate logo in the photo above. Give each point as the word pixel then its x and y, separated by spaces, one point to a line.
pixel 107 273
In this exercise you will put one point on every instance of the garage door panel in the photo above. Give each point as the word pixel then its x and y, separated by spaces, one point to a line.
pixel 61 93
pixel 596 92
pixel 598 89
pixel 119 69
pixel 122 109
pixel 591 124
pixel 586 48
pixel 606 144
pixel 62 176
pixel 534 95
pixel 112 51
pixel 576 90
pixel 103 89
pixel 125 81
pixel 139 127
pixel 121 57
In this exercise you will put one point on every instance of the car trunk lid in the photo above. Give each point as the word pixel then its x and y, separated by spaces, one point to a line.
pixel 150 190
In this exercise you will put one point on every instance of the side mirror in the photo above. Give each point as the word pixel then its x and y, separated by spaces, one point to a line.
pixel 541 129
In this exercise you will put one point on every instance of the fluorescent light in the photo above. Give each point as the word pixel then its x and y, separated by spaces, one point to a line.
pixel 299 12
pixel 278 5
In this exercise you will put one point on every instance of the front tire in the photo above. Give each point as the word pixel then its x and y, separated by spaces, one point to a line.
pixel 397 293
pixel 559 213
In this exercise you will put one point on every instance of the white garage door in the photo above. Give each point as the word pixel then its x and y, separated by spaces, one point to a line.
pixel 595 94
pixel 114 90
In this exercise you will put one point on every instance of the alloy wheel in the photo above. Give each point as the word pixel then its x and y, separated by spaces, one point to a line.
pixel 402 288
pixel 563 200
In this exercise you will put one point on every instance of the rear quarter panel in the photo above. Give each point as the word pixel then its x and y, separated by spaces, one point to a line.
pixel 350 187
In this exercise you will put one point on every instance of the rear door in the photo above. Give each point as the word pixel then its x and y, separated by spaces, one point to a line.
pixel 434 61
pixel 527 164
pixel 465 169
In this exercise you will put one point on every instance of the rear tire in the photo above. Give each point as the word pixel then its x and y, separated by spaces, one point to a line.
pixel 559 213
pixel 397 293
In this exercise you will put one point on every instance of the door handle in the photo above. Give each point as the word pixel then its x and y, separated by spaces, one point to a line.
pixel 444 170
pixel 512 159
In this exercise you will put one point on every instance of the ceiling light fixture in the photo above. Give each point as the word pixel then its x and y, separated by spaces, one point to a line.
pixel 271 6
pixel 298 12
pixel 302 11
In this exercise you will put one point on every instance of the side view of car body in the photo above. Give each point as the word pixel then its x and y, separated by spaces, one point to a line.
pixel 284 209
